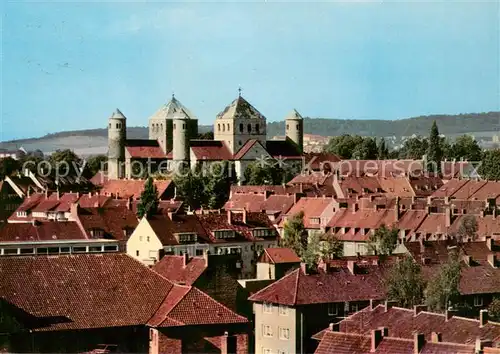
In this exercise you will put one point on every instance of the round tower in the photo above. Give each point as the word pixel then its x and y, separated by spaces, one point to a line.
pixel 294 129
pixel 117 134
pixel 180 149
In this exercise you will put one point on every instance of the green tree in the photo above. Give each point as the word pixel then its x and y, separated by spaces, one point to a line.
pixel 8 325
pixel 218 185
pixel 94 164
pixel 65 162
pixel 206 136
pixel 343 145
pixel 434 152
pixel 30 162
pixel 414 148
pixel 467 230
pixel 384 240
pixel 148 205
pixel 442 290
pixel 494 309
pixel 466 147
pixel 447 149
pixel 312 251
pixel 266 173
pixel 405 283
pixel 366 150
pixel 489 166
pixel 331 247
pixel 382 150
pixel 294 234
pixel 190 186
pixel 8 166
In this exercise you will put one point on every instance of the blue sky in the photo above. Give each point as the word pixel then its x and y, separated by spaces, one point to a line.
pixel 68 65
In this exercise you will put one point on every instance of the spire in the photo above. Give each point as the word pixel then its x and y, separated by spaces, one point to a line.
pixel 117 114
pixel 239 91
pixel 293 115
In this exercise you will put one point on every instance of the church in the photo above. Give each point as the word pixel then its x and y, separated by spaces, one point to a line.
pixel 239 137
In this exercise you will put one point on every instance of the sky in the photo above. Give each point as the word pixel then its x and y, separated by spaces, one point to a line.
pixel 68 65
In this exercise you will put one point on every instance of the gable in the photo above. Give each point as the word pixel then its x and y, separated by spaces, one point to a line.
pixel 257 151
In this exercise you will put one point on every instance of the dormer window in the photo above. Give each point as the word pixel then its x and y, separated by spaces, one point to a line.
pixel 314 220
pixel 96 233
pixel 22 214
pixel 224 234
pixel 263 232
pixel 186 237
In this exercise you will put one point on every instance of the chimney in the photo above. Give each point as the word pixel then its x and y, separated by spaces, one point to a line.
pixel 396 209
pixel 389 304
pixel 385 331
pixel 129 203
pixel 354 207
pixel 419 308
pixel 429 200
pixel 303 268
pixel 229 218
pixel 96 204
pixel 334 327
pixel 446 200
pixel 436 337
pixel 494 212
pixel 352 267
pixel 467 260
pixel 447 213
pixel 492 260
pixel 300 188
pixel 244 216
pixel 267 194
pixel 205 256
pixel 373 304
pixel 418 342
pixel 228 344
pixel 376 339
pixel 58 194
pixel 483 318
pixel 450 313
pixel 481 344
pixel 296 197
pixel 185 259
pixel 489 243
pixel 481 214
pixel 74 210
pixel 428 209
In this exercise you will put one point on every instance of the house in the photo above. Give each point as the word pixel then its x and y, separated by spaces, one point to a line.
pixel 72 303
pixel 290 310
pixel 274 263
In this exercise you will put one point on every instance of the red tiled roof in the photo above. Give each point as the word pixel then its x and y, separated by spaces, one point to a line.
pixel 99 178
pixel 93 200
pixel 173 268
pixel 449 188
pixel 103 290
pixel 114 221
pixel 275 203
pixel 210 150
pixel 41 231
pixel 411 219
pixel 279 255
pixel 30 202
pixel 339 285
pixel 352 343
pixel 402 323
pixel 131 187
pixel 312 208
pixel 319 178
pixel 250 202
pixel 489 190
pixel 245 148
pixel 316 161
pixel 166 228
pixel 144 152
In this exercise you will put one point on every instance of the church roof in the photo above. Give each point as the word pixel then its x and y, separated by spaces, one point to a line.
pixel 293 115
pixel 117 114
pixel 172 108
pixel 240 108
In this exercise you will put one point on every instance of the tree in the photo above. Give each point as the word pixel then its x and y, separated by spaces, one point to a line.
pixel 382 150
pixel 414 148
pixel 218 185
pixel 148 205
pixel 331 247
pixel 466 147
pixel 294 234
pixel 489 166
pixel 190 186
pixel 384 240
pixel 8 166
pixel 8 325
pixel 405 283
pixel 343 145
pixel 442 290
pixel 467 230
pixel 494 309
pixel 266 173
pixel 366 150
pixel 312 252
pixel 95 164
pixel 65 162
pixel 206 136
pixel 434 152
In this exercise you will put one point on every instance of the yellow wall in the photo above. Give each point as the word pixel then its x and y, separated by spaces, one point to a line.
pixel 144 241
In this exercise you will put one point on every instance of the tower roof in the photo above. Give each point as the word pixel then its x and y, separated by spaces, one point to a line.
pixel 118 115
pixel 169 110
pixel 293 115
pixel 240 108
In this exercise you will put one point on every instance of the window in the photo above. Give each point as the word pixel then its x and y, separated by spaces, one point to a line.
pixel 266 351
pixel 333 310
pixel 283 310
pixel 199 252
pixel 27 251
pixel 140 238
pixel 257 128
pixel 249 128
pixel 284 333
pixel 147 238
pixel 117 126
pixel 218 127
pixel 267 331
pixel 174 126
pixel 263 232
pixel 297 127
pixel 354 307
pixel 137 253
pixel 8 251
pixel 110 125
pixel 228 129
pixel 478 300
pixel 287 127
pixel 113 248
pixel 314 220
pixel 280 351
pixel 268 308
pixel 81 249
pixel 239 142
pixel 95 248
pixel 183 126
pixel 223 128
pixel 241 127
pixel 222 234
pixel 64 250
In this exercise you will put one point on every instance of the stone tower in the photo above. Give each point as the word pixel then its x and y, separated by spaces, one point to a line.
pixel 294 129
pixel 161 124
pixel 238 123
pixel 180 150
pixel 117 134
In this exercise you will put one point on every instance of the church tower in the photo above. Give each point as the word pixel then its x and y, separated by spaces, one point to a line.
pixel 180 151
pixel 238 123
pixel 294 129
pixel 117 134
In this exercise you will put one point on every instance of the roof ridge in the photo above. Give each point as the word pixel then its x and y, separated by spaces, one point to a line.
pixel 277 281
pixel 219 303
pixel 299 271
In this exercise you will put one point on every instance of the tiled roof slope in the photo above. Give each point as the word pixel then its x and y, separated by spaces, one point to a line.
pixel 240 108
pixel 279 255
pixel 41 231
pixel 168 110
pixel 131 187
pixel 174 269
pixel 349 343
pixel 166 228
pixel 402 323
pixel 103 290
pixel 114 221
pixel 336 285
pixel 210 150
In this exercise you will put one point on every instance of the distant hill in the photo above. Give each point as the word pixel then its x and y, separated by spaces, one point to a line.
pixel 94 141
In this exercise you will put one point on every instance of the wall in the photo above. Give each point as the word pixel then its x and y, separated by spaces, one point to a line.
pixel 265 271
pixel 138 241
pixel 276 321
